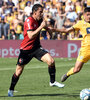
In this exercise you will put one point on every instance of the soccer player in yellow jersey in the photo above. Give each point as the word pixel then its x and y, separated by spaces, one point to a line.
pixel 84 54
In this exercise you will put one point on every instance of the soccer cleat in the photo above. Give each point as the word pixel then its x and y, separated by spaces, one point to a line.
pixel 10 93
pixel 57 84
pixel 64 77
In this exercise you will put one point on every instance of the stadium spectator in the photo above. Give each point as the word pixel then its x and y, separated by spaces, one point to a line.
pixel 6 30
pixel 28 9
pixel 43 34
pixel 1 8
pixel 6 8
pixel 58 37
pixel 69 5
pixel 12 35
pixel 1 3
pixel 22 4
pixel 15 2
pixel 51 8
pixel 60 18
pixel 1 29
pixel 21 37
pixel 72 15
pixel 10 5
pixel 37 1
pixel 30 47
pixel 5 0
pixel 9 18
pixel 47 12
pixel 78 7
pixel 67 24
pixel 18 31
pixel 15 22
pixel 21 16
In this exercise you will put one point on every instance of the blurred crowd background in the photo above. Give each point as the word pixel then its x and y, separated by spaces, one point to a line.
pixel 58 13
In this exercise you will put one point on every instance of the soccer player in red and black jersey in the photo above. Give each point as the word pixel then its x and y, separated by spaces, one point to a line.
pixel 31 47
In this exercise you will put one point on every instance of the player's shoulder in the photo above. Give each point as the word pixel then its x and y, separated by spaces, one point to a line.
pixel 83 23
pixel 80 22
pixel 29 19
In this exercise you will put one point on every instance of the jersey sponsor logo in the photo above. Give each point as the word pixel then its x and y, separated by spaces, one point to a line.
pixel 88 30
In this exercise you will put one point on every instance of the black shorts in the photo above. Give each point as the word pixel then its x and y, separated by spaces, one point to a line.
pixel 25 55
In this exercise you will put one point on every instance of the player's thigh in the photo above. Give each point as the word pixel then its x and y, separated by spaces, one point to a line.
pixel 42 55
pixel 24 58
pixel 47 59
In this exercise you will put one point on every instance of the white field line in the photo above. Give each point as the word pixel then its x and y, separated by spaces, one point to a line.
pixel 26 67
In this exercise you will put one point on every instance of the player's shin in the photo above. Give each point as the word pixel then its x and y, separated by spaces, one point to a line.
pixel 14 81
pixel 52 71
pixel 70 72
pixel 65 76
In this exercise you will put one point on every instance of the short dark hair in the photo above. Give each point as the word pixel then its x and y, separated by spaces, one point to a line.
pixel 87 9
pixel 35 7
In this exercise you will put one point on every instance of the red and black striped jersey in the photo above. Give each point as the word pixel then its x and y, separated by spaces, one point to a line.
pixel 30 25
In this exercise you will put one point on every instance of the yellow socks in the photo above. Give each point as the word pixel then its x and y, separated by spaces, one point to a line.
pixel 70 72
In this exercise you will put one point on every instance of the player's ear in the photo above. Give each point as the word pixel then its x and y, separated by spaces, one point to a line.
pixel 35 13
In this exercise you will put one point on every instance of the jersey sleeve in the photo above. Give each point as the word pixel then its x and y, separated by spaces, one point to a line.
pixel 29 25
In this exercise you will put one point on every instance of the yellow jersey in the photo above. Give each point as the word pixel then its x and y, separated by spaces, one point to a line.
pixel 19 29
pixel 84 28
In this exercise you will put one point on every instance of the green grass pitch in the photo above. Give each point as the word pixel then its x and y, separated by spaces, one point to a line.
pixel 34 82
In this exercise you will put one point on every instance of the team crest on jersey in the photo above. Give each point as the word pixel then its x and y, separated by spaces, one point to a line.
pixel 88 30
pixel 81 57
pixel 20 60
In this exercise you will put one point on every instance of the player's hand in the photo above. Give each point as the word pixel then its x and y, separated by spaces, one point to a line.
pixel 43 24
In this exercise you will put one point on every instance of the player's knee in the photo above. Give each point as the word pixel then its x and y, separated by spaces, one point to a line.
pixel 19 71
pixel 51 62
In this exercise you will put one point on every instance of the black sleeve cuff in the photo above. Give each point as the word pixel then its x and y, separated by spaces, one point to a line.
pixel 30 30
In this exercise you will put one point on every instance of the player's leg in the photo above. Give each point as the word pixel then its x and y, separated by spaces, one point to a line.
pixel 15 78
pixel 23 59
pixel 83 57
pixel 42 55
pixel 51 69
pixel 16 75
pixel 73 70
pixel 51 66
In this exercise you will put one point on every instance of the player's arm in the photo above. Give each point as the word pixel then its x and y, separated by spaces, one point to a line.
pixel 32 34
pixel 63 30
pixel 51 30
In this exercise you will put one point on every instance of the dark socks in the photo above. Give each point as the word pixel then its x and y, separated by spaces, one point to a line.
pixel 52 70
pixel 13 81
